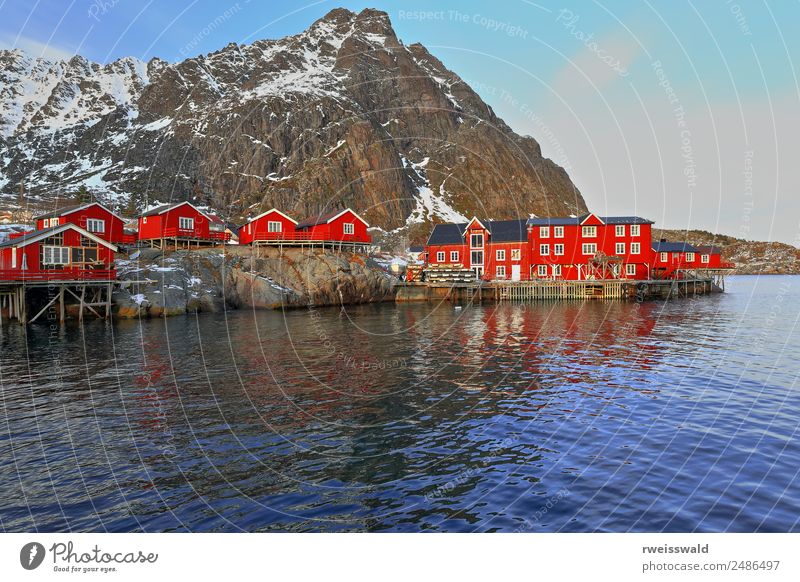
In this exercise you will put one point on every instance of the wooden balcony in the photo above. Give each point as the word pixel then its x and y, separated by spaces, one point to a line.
pixel 44 276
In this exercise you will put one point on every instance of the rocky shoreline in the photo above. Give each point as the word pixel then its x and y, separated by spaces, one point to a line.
pixel 158 283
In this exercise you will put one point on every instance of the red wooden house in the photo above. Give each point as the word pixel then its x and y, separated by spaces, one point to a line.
pixel 710 257
pixel 62 252
pixel 570 248
pixel 272 225
pixel 182 223
pixel 671 260
pixel 93 217
pixel 341 226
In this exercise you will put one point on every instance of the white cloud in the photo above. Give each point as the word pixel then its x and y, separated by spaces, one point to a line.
pixel 36 48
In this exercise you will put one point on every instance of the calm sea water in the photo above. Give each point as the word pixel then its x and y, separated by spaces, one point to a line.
pixel 661 416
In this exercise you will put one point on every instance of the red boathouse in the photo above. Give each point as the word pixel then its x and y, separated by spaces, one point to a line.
pixel 270 226
pixel 338 226
pixel 93 217
pixel 180 224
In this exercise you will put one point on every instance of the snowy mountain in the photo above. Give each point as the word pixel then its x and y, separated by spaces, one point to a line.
pixel 340 114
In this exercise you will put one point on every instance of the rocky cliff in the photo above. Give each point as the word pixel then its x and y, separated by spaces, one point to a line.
pixel 342 114
pixel 156 283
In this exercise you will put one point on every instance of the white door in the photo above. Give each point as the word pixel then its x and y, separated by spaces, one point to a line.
pixel 515 272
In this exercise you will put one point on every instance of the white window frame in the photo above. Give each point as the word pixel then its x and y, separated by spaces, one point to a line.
pixel 589 231
pixel 472 244
pixel 705 259
pixel 558 231
pixel 500 255
pixel 619 249
pixel 635 230
pixel 52 251
pixel 630 268
pixel 541 270
pixel 349 228
pixel 544 232
pixel 589 249
pixel 14 257
pixel 619 230
pixel 556 270
pixel 453 256
pixel 516 254
pixel 500 272
pixel 544 250
pixel 96 225
pixel 664 257
pixel 183 221
pixel 472 257
pixel 690 257
pixel 274 226
pixel 558 249
pixel 636 248
pixel 440 256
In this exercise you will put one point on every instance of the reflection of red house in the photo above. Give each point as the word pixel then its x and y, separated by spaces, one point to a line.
pixel 63 252
pixel 93 217
pixel 181 224
pixel 272 225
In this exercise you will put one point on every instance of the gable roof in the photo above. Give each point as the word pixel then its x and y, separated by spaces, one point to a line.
pixel 572 220
pixel 474 219
pixel 500 230
pixel 58 212
pixel 167 207
pixel 584 217
pixel 673 247
pixel 270 211
pixel 37 235
pixel 709 250
pixel 326 218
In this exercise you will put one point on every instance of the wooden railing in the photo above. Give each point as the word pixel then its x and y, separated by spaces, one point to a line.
pixel 215 235
pixel 58 275
pixel 307 235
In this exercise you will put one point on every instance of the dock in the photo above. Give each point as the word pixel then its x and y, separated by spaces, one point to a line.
pixel 29 301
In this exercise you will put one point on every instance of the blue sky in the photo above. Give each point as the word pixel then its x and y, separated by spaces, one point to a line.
pixel 682 112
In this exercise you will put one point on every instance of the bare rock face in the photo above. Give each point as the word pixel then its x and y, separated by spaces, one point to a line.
pixel 342 114
pixel 158 284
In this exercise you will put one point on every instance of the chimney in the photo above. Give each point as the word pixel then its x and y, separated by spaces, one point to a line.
pixel 663 240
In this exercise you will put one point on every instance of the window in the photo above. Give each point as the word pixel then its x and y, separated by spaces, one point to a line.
pixel 634 230
pixel 589 231
pixel 185 223
pixel 589 248
pixel 500 273
pixel 663 257
pixel 440 257
pixel 619 230
pixel 453 256
pixel 55 255
pixel 544 249
pixel 542 270
pixel 636 248
pixel 96 225
pixel 349 228
pixel 558 249
pixel 556 270
pixel 544 232
pixel 477 257
pixel 516 254
pixel 689 257
pixel 274 226
pixel 51 222
pixel 558 231
pixel 630 269
pixel 476 240
pixel 619 248
pixel 144 220
pixel 704 258
pixel 14 258
pixel 500 255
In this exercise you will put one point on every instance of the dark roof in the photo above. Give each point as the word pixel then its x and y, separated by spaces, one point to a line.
pixel 59 211
pixel 160 209
pixel 15 241
pixel 416 249
pixel 709 250
pixel 554 221
pixel 625 220
pixel 500 231
pixel 319 219
pixel 565 221
pixel 673 247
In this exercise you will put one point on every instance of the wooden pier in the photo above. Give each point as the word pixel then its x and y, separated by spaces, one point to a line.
pixel 27 302
pixel 528 291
